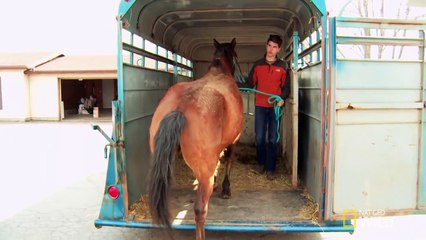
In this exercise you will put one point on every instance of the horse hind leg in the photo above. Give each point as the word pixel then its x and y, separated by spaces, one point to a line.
pixel 216 173
pixel 226 184
pixel 204 192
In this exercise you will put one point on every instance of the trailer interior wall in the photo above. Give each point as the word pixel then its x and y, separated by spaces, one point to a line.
pixel 143 89
pixel 310 125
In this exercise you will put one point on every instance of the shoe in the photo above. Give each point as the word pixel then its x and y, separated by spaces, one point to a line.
pixel 270 176
pixel 259 169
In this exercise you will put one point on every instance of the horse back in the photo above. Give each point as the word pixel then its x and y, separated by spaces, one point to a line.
pixel 232 106
pixel 212 103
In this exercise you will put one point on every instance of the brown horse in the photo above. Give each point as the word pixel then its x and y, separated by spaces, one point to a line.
pixel 204 117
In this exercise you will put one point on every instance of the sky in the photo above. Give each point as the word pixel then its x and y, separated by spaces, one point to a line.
pixel 66 26
pixel 72 27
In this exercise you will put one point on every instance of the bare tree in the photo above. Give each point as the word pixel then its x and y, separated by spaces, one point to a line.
pixel 377 9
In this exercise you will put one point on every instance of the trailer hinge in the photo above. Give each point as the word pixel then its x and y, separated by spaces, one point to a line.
pixel 115 144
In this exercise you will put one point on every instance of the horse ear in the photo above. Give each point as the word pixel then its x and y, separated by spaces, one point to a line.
pixel 233 43
pixel 216 43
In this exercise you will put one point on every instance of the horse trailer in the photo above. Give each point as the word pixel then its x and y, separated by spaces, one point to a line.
pixel 352 133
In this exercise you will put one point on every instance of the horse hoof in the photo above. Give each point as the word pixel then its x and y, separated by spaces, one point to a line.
pixel 225 195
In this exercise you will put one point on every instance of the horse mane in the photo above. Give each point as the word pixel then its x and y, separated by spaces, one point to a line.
pixel 225 50
pixel 216 63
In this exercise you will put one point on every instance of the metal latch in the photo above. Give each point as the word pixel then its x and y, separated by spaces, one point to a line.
pixel 111 142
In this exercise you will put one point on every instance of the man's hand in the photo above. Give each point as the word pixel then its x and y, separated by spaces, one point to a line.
pixel 280 103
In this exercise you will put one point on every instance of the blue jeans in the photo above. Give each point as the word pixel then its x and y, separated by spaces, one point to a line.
pixel 266 151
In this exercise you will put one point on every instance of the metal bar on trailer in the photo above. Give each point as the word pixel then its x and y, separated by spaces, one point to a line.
pixel 260 227
pixel 310 44
pixel 175 64
pixel 421 196
pixel 322 57
pixel 97 127
pixel 340 106
pixel 381 60
pixel 167 56
pixel 329 120
pixel 296 50
pixel 145 53
pixel 295 120
pixel 156 53
pixel 310 50
pixel 381 23
pixel 379 41
pixel 318 51
pixel 143 57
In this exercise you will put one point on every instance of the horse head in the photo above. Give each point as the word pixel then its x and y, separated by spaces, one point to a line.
pixel 224 55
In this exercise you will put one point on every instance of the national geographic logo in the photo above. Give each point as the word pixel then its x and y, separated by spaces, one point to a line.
pixel 348 215
pixel 354 215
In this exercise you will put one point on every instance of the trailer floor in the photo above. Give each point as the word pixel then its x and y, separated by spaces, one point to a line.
pixel 255 200
pixel 253 207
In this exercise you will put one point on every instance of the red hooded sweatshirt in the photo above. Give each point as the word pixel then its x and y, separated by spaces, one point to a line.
pixel 269 78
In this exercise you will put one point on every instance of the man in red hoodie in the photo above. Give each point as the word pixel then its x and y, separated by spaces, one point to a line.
pixel 270 75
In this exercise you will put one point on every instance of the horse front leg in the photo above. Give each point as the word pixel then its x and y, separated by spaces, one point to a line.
pixel 226 184
pixel 204 191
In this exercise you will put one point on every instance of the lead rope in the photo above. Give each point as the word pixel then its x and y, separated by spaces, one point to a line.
pixel 273 99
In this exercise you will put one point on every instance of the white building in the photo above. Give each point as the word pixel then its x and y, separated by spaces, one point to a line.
pixel 46 86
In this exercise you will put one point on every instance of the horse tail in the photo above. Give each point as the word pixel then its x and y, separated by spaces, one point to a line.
pixel 166 141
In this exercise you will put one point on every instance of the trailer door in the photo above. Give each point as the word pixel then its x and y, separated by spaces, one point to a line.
pixel 375 160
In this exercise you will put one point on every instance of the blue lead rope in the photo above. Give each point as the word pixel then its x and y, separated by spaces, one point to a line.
pixel 273 99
